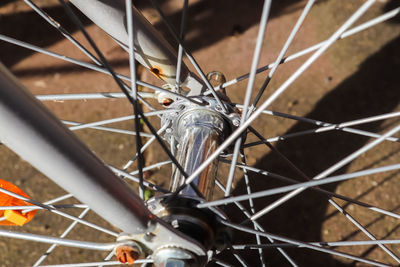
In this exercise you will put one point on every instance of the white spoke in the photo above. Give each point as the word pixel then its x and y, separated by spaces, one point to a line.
pixel 91 66
pixel 52 201
pixel 58 241
pixel 63 206
pixel 297 187
pixel 135 179
pixel 107 258
pixel 286 84
pixel 363 229
pixel 180 49
pixel 251 203
pixel 64 234
pixel 114 120
pixel 281 54
pixel 303 244
pixel 53 210
pixel 257 225
pixel 331 194
pixel 317 54
pixel 105 263
pixel 322 244
pixel 144 147
pixel 63 31
pixel 330 170
pixel 88 96
pixel 190 57
pixel 388 15
pixel 33 202
pixel 108 129
pixel 249 89
pixel 329 127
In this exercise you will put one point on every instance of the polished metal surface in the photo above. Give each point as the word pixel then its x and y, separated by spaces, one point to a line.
pixel 198 140
pixel 198 131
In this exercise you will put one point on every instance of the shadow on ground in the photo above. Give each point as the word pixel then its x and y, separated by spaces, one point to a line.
pixel 208 21
pixel 362 94
pixel 372 90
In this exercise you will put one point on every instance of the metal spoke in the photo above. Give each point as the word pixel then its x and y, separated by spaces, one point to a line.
pixel 295 29
pixel 134 95
pixel 58 241
pixel 119 119
pixel 317 54
pixel 329 127
pixel 237 256
pixel 94 226
pixel 144 147
pixel 297 187
pixel 108 129
pixel 322 244
pixel 363 229
pixel 221 263
pixel 64 234
pixel 88 96
pixel 63 31
pixel 180 50
pixel 107 258
pixel 250 119
pixel 52 201
pixel 92 67
pixel 256 224
pixel 28 200
pixel 249 89
pixel 303 244
pixel 317 189
pixel 62 206
pixel 135 179
pixel 189 56
pixel 53 210
pixel 323 124
pixel 331 201
pixel 251 203
pixel 388 15
pixel 330 170
pixel 105 263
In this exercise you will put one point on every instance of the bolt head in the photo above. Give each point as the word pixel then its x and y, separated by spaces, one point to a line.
pixel 236 122
pixel 167 101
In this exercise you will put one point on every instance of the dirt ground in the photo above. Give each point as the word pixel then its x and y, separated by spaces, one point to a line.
pixel 356 78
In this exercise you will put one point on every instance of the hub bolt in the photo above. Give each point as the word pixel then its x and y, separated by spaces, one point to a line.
pixel 127 254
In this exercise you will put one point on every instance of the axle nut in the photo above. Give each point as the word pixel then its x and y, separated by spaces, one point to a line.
pixel 127 254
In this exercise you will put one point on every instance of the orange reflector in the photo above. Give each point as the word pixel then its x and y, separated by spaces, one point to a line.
pixel 14 217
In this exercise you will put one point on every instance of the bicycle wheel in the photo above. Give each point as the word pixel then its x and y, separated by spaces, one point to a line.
pixel 332 115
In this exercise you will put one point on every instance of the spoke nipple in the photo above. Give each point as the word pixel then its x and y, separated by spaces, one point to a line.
pixel 127 254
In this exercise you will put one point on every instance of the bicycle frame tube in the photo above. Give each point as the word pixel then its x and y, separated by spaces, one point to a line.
pixel 32 132
pixel 151 49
